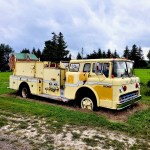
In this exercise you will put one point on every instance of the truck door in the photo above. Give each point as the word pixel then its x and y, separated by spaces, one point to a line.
pixel 104 88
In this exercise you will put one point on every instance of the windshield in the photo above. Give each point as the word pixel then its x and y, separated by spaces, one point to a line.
pixel 122 69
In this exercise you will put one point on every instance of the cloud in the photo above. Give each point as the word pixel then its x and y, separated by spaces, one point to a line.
pixel 104 24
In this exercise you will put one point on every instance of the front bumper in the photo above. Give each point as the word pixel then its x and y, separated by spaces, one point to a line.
pixel 128 103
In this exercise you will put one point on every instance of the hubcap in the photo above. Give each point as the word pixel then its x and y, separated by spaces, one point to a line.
pixel 24 92
pixel 87 103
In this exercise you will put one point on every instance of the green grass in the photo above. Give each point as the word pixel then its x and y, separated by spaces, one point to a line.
pixel 144 75
pixel 4 82
pixel 57 116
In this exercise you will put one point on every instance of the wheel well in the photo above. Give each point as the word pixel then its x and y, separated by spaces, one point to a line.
pixel 24 84
pixel 84 91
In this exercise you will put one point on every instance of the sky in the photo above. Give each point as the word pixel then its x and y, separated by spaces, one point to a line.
pixel 87 24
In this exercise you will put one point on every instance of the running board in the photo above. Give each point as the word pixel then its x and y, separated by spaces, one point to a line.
pixel 54 97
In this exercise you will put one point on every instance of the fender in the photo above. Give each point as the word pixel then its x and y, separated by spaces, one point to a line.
pixel 95 93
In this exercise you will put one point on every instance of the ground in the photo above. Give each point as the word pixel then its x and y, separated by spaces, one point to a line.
pixel 33 133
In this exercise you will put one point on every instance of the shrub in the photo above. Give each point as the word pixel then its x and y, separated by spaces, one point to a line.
pixel 148 83
pixel 147 92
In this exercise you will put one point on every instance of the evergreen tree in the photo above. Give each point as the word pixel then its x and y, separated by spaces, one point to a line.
pixel 93 55
pixel 61 50
pixel 38 54
pixel 140 53
pixel 108 55
pixel 104 54
pixel 126 52
pixel 34 51
pixel 148 55
pixel 55 49
pixel 50 50
pixel 137 56
pixel 134 53
pixel 141 62
pixel 5 50
pixel 115 54
pixel 69 58
pixel 25 50
pixel 99 53
pixel 79 56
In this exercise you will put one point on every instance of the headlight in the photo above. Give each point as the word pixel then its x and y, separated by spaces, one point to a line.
pixel 123 88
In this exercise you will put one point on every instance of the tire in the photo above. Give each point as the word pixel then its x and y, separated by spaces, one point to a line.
pixel 24 91
pixel 88 103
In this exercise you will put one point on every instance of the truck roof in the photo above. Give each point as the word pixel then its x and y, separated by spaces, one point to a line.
pixel 97 60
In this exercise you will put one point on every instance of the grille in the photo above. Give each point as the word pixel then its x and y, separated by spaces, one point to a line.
pixel 127 97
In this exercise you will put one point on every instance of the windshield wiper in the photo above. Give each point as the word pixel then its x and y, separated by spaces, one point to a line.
pixel 125 74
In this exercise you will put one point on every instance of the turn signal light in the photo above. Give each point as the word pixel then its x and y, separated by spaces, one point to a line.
pixel 137 85
pixel 124 88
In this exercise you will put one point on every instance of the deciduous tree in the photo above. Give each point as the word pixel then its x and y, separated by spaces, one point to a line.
pixel 5 50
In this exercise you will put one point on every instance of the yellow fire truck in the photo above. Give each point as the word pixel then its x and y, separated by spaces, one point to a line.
pixel 92 83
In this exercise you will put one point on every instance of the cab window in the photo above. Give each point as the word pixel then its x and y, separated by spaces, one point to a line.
pixel 87 67
pixel 98 67
pixel 106 69
pixel 74 67
pixel 101 68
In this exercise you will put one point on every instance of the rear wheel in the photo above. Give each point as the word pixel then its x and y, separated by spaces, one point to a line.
pixel 24 91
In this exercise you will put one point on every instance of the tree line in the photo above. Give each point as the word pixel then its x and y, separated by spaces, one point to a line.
pixel 55 50
pixel 135 54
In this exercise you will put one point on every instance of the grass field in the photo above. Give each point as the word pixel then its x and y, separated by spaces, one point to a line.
pixel 144 75
pixel 137 124
pixel 4 82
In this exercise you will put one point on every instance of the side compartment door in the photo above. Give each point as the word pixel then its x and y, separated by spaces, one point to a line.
pixel 51 81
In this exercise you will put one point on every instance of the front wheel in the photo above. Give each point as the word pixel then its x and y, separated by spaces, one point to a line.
pixel 24 92
pixel 88 103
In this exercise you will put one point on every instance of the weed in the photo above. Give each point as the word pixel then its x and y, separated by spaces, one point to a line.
pixel 51 147
pixel 3 121
pixel 23 125
pixel 140 145
pixel 116 145
pixel 75 135
pixel 90 142
pixel 64 134
pixel 3 139
pixel 38 128
pixel 98 137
